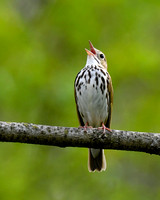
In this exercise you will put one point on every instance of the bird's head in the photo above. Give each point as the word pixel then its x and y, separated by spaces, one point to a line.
pixel 97 55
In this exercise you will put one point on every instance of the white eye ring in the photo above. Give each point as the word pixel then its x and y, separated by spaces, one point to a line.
pixel 101 55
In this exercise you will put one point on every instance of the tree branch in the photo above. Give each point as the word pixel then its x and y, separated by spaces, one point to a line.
pixel 78 137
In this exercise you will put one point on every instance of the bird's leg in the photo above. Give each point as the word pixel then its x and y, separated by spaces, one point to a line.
pixel 86 126
pixel 105 128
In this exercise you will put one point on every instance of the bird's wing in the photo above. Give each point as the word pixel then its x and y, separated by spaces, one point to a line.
pixel 110 90
pixel 78 113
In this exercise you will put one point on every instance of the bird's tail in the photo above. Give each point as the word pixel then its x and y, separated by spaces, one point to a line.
pixel 96 160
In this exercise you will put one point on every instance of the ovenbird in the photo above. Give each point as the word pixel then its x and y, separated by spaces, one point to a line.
pixel 94 99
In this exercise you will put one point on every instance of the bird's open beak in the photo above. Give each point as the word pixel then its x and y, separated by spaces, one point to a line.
pixel 89 52
pixel 92 49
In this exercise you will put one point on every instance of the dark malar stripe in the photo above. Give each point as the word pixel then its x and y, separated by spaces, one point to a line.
pixel 96 60
pixel 103 72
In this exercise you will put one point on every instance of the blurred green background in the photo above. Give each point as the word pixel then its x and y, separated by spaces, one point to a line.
pixel 41 50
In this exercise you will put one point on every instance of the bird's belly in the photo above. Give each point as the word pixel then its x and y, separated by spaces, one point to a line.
pixel 93 103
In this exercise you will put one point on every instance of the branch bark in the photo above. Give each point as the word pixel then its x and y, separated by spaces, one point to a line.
pixel 78 137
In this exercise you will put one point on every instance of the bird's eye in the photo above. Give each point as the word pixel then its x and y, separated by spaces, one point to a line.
pixel 101 55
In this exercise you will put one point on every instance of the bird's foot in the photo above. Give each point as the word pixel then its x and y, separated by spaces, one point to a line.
pixel 85 126
pixel 105 128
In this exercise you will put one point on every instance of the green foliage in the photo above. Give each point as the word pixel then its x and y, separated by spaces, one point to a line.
pixel 42 50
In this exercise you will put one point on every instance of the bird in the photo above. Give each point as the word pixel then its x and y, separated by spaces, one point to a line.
pixel 93 93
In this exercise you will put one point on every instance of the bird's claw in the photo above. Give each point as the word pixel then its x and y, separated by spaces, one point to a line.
pixel 105 128
pixel 85 126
